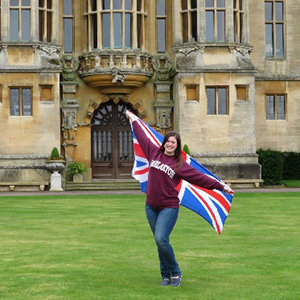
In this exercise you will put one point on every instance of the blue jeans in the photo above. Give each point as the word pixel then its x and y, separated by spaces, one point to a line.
pixel 162 223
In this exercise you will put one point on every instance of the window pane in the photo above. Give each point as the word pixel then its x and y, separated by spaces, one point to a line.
pixel 209 3
pixel 210 26
pixel 49 26
pixel 221 26
pixel 269 11
pixel 41 3
pixel 220 3
pixel 194 25
pixel 193 4
pixel 222 101
pixel 280 107
pixel 183 4
pixel 235 4
pixel 14 25
pixel 211 101
pixel 14 2
pixel 68 35
pixel 117 4
pixel 25 2
pixel 117 30
pixel 279 40
pixel 185 27
pixel 279 11
pixel 128 31
pixel 41 25
pixel 94 32
pixel 241 27
pixel 68 7
pixel 161 35
pixel 128 4
pixel 106 4
pixel 94 5
pixel 49 4
pixel 26 102
pixel 161 7
pixel 106 30
pixel 139 31
pixel 269 40
pixel 270 108
pixel 26 35
pixel 241 4
pixel 139 5
pixel 14 102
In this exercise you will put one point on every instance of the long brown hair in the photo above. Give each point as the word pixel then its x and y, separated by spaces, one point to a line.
pixel 177 153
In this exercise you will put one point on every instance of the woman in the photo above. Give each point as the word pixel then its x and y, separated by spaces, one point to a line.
pixel 162 204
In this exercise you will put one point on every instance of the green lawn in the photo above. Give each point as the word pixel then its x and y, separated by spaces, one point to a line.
pixel 100 247
pixel 291 183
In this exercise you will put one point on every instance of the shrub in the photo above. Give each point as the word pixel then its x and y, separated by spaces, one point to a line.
pixel 186 149
pixel 272 166
pixel 54 155
pixel 76 168
pixel 291 165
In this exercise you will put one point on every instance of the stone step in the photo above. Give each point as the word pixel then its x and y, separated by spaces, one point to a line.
pixel 103 185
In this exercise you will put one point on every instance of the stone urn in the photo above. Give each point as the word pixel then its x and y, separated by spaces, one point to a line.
pixel 55 166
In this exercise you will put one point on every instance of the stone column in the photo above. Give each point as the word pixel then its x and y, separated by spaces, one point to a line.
pixel 69 106
pixel 163 103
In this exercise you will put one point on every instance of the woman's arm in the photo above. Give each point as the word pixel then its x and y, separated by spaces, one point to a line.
pixel 145 143
pixel 194 176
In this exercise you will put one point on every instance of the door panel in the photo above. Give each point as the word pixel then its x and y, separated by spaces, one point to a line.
pixel 112 149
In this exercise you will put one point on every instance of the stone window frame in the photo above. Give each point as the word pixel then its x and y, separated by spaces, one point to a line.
pixel 274 35
pixel 20 8
pixel 21 88
pixel 161 22
pixel 93 14
pixel 216 105
pixel 46 13
pixel 68 21
pixel 215 9
pixel 275 106
pixel 239 20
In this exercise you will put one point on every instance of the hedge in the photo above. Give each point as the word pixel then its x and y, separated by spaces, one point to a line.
pixel 277 165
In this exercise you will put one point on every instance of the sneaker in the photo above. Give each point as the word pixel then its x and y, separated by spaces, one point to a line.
pixel 176 280
pixel 165 281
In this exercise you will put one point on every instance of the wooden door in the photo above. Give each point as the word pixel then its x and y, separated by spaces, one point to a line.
pixel 112 148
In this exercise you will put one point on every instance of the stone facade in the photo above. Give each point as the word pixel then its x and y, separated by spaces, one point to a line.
pixel 168 89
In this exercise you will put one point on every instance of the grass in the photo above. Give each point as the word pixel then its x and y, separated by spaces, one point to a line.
pixel 100 247
pixel 291 183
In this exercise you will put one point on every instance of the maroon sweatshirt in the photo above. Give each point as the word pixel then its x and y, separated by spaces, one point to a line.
pixel 163 178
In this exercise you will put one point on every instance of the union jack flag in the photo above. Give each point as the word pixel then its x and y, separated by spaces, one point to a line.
pixel 212 205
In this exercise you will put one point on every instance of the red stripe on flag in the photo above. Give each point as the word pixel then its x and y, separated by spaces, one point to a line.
pixel 141 172
pixel 218 197
pixel 178 187
pixel 208 207
pixel 138 150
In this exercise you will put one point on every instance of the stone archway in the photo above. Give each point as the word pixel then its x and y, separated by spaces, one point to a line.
pixel 112 154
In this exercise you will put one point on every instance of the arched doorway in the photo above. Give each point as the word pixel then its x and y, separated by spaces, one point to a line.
pixel 112 149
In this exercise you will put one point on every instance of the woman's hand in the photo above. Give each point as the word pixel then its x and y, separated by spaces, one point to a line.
pixel 227 190
pixel 128 115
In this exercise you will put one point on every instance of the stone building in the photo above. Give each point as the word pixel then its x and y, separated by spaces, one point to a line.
pixel 223 73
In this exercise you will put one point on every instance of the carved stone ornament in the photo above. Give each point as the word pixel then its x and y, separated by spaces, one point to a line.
pixel 50 55
pixel 118 76
pixel 163 67
pixel 163 117
pixel 69 66
pixel 186 50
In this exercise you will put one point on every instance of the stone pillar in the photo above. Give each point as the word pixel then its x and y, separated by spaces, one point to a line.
pixel 163 103
pixel 69 106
